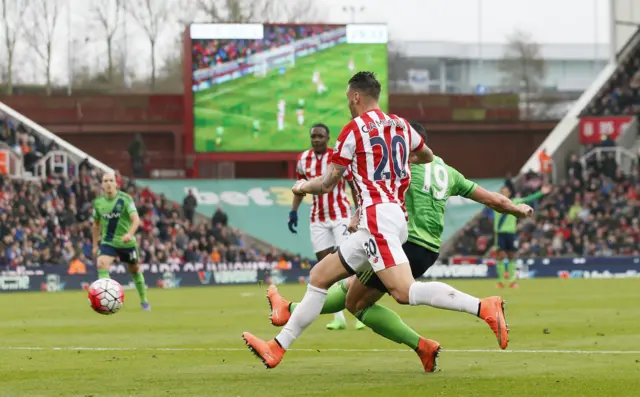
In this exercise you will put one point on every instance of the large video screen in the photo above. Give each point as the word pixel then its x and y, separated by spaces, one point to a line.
pixel 260 87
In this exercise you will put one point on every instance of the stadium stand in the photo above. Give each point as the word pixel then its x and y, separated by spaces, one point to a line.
pixel 594 208
pixel 621 95
pixel 590 213
pixel 46 220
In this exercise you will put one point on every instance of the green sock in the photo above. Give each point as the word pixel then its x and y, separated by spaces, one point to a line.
pixel 336 297
pixel 103 273
pixel 386 323
pixel 138 280
pixel 512 271
pixel 500 270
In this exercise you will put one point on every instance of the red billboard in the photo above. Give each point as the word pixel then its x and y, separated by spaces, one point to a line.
pixel 593 129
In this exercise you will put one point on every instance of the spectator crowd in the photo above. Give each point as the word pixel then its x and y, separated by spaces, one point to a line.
pixel 48 222
pixel 621 95
pixel 207 53
pixel 593 211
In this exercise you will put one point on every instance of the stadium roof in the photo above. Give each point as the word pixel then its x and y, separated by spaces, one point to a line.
pixel 494 51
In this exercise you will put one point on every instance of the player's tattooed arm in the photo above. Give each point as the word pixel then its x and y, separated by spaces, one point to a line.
pixel 322 184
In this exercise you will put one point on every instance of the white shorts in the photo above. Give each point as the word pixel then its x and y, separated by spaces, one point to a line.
pixel 378 242
pixel 328 234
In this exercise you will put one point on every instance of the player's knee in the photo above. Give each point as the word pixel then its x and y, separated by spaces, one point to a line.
pixel 318 278
pixel 349 281
pixel 103 263
pixel 401 295
pixel 351 305
pixel 134 268
pixel 361 305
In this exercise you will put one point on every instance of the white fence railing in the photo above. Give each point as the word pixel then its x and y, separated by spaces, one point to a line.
pixel 624 158
pixel 58 163
pixel 46 135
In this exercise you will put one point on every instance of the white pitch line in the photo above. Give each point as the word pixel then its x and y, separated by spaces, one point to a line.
pixel 233 349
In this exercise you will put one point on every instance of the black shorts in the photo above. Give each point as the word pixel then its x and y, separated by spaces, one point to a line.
pixel 126 255
pixel 420 260
pixel 507 242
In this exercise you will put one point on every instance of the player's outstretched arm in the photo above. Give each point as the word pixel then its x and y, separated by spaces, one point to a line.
pixel 546 189
pixel 322 184
pixel 500 203
pixel 423 155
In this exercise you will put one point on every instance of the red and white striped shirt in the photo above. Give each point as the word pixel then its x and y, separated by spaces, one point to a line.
pixel 330 206
pixel 376 147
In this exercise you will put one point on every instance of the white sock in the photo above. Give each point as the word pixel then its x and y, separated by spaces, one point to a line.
pixel 338 316
pixel 306 312
pixel 442 296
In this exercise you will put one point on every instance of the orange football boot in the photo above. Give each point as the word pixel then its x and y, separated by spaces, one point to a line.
pixel 514 285
pixel 270 353
pixel 500 285
pixel 492 312
pixel 280 313
pixel 428 351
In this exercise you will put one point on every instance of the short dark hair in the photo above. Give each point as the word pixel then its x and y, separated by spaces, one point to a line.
pixel 320 125
pixel 366 83
pixel 419 129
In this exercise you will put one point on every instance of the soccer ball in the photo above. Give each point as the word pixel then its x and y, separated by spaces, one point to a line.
pixel 106 296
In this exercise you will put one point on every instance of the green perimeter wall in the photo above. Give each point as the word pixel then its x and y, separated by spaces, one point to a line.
pixel 260 207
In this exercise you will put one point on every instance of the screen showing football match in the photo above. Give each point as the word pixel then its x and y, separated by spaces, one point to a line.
pixel 261 87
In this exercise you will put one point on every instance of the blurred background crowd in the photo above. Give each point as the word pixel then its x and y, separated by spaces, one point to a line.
pixel 621 95
pixel 593 211
pixel 48 221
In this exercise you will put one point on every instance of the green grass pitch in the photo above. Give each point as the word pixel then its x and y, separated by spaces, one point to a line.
pixel 236 104
pixel 190 345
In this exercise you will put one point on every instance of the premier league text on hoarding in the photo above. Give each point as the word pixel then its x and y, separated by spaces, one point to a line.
pixel 261 87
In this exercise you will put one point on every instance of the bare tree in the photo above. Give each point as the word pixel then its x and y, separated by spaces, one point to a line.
pixel 108 14
pixel 295 12
pixel 40 35
pixel 522 66
pixel 12 15
pixel 236 11
pixel 170 74
pixel 3 73
pixel 151 16
pixel 259 11
pixel 186 14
